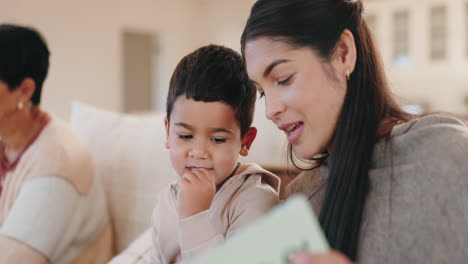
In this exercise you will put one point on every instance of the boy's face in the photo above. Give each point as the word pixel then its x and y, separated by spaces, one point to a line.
pixel 204 135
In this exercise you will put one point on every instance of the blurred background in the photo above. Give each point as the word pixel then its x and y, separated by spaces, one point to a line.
pixel 424 45
pixel 119 54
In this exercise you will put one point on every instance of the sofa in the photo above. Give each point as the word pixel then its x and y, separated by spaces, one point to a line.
pixel 131 159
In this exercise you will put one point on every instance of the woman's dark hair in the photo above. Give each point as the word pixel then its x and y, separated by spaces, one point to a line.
pixel 319 24
pixel 23 54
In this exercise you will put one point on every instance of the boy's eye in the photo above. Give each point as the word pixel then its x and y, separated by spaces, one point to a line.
pixel 218 140
pixel 184 136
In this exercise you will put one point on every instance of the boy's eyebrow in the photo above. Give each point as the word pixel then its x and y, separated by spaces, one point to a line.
pixel 222 130
pixel 184 125
pixel 272 66
pixel 187 126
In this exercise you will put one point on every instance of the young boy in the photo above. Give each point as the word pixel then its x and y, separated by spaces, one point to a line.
pixel 210 108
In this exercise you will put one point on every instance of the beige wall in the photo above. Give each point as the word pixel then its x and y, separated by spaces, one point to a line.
pixel 84 39
pixel 222 21
pixel 174 24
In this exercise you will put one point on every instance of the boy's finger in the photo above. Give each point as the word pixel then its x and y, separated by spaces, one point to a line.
pixel 201 173
pixel 191 177
pixel 183 182
pixel 197 175
pixel 208 175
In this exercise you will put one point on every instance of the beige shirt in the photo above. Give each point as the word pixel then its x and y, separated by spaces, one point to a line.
pixel 52 208
pixel 241 200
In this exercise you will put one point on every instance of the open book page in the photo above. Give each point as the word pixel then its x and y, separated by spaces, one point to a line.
pixel 290 227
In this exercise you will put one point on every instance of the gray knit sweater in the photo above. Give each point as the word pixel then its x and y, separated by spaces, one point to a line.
pixel 417 207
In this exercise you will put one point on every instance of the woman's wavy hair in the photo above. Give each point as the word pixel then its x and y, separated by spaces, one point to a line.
pixel 319 24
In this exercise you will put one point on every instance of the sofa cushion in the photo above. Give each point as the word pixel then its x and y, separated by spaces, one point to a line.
pixel 130 157
pixel 139 251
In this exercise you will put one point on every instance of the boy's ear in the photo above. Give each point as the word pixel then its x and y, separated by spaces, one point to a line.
pixel 166 125
pixel 247 141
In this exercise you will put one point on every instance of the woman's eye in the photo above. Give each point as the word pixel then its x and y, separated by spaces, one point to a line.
pixel 184 136
pixel 262 94
pixel 284 81
pixel 218 140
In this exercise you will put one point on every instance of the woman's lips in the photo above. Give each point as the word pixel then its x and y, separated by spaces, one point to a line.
pixel 294 132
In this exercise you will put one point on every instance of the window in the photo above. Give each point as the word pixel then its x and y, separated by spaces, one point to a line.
pixel 401 52
pixel 438 33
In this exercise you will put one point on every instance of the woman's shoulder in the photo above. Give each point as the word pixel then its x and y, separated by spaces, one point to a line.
pixel 59 152
pixel 305 182
pixel 432 124
pixel 427 147
pixel 424 179
pixel 432 137
pixel 310 183
pixel 60 142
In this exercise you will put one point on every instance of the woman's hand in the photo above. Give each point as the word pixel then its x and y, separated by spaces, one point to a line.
pixel 332 257
pixel 196 192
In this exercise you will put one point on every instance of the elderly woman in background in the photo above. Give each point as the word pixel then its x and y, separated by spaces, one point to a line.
pixel 52 207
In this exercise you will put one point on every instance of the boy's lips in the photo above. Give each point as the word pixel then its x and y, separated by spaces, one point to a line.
pixel 192 168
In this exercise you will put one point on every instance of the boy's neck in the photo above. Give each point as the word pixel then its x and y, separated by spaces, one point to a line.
pixel 238 169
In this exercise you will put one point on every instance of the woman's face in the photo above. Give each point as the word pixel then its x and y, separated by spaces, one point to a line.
pixel 303 94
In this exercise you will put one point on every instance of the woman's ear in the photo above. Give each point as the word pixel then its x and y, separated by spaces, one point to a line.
pixel 247 141
pixel 26 89
pixel 344 58
pixel 166 125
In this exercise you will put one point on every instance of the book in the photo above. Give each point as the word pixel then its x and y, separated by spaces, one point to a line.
pixel 289 228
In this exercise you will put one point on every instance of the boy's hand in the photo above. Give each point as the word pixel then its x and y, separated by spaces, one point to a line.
pixel 196 192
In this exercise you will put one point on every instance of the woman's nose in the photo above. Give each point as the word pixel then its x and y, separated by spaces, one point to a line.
pixel 273 106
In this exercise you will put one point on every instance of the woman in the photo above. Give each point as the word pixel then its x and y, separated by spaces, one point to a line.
pixel 389 188
pixel 52 208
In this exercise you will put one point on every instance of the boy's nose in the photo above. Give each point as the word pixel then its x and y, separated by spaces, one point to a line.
pixel 198 151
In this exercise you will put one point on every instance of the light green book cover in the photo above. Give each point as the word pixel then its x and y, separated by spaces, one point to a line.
pixel 290 227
